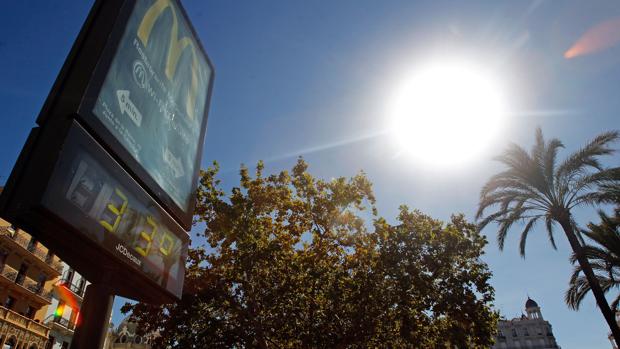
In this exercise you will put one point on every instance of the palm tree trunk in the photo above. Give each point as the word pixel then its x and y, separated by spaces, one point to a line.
pixel 597 291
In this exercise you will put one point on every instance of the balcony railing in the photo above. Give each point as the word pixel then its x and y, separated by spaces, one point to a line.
pixel 9 273
pixel 37 251
pixel 23 322
pixel 77 289
pixel 24 242
pixel 37 289
pixel 60 321
pixel 20 279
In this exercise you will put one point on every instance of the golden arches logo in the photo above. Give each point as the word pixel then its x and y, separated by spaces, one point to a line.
pixel 175 49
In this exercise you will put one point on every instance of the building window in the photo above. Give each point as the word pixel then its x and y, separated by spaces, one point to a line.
pixel 526 332
pixel 65 345
pixel 514 332
pixel 80 285
pixel 69 276
pixel 41 281
pixel 21 274
pixel 50 343
pixel 9 302
pixel 30 311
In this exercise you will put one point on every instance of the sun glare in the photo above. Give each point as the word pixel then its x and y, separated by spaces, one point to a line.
pixel 445 114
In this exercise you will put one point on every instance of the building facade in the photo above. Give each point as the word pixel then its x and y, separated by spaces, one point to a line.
pixel 126 336
pixel 530 331
pixel 63 314
pixel 28 274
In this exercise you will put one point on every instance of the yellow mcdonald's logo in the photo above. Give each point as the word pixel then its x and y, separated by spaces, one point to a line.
pixel 175 49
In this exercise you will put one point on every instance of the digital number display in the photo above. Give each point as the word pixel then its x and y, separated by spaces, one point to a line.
pixel 112 210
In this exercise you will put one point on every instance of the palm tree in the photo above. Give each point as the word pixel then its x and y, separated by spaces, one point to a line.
pixel 604 257
pixel 535 189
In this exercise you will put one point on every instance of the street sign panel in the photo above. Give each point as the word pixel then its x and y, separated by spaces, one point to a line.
pixel 108 180
pixel 151 99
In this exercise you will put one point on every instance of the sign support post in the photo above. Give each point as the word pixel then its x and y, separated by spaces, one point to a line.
pixel 95 311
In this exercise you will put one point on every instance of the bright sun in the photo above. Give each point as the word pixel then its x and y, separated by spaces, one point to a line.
pixel 445 114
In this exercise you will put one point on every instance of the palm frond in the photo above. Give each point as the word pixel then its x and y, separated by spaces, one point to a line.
pixel 576 292
pixel 504 198
pixel 536 185
pixel 524 166
pixel 596 180
pixel 524 233
pixel 610 192
pixel 504 226
pixel 551 153
pixel 490 218
pixel 614 304
pixel 508 180
pixel 603 257
pixel 588 155
pixel 549 222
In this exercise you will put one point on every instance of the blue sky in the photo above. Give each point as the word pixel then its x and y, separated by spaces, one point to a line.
pixel 314 78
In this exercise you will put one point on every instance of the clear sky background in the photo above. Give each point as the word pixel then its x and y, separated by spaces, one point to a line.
pixel 315 78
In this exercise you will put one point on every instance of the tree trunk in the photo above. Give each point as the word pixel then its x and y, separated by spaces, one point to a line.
pixel 601 301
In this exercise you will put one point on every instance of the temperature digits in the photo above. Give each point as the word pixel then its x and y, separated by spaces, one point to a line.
pixel 147 237
pixel 117 212
pixel 145 242
pixel 111 218
pixel 166 239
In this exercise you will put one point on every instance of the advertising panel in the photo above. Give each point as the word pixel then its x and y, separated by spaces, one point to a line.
pixel 154 97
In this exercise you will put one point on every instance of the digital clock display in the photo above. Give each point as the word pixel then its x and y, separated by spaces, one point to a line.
pixel 94 195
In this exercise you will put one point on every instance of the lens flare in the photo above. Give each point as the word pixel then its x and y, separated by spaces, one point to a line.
pixel 60 310
pixel 598 38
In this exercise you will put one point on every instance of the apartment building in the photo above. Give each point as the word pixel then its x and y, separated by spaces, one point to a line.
pixel 28 275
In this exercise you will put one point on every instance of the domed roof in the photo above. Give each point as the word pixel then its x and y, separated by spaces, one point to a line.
pixel 530 303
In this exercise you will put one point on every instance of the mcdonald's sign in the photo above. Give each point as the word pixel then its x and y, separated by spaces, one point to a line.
pixel 153 99
pixel 108 177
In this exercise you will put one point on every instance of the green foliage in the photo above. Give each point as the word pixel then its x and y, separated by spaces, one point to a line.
pixel 292 261
pixel 604 256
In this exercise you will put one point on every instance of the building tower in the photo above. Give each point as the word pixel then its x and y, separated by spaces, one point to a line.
pixel 532 309
pixel 529 331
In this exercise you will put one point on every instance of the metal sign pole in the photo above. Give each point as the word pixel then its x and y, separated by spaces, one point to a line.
pixel 95 315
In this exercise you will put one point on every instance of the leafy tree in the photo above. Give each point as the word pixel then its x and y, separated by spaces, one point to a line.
pixel 604 256
pixel 534 189
pixel 293 261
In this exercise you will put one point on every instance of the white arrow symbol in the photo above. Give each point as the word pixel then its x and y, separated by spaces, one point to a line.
pixel 127 107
